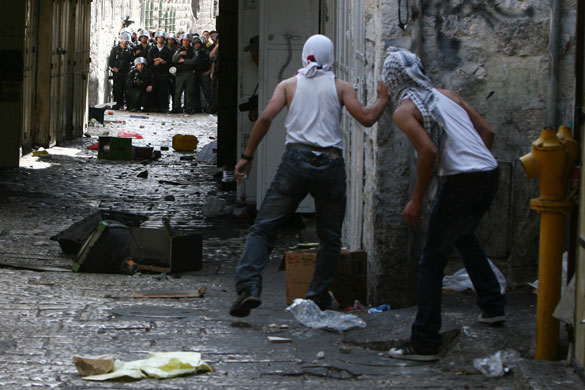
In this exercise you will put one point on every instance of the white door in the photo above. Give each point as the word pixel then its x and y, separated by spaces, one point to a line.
pixel 284 28
pixel 351 66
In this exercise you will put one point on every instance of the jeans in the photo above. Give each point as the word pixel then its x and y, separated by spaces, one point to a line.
pixel 301 172
pixel 462 201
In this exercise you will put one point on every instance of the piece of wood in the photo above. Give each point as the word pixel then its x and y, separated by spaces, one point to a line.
pixel 278 340
pixel 171 294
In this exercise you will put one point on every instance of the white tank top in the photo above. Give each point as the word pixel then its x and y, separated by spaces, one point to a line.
pixel 463 150
pixel 314 114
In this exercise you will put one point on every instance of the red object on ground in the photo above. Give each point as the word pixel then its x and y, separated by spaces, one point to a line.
pixel 110 112
pixel 129 134
pixel 95 146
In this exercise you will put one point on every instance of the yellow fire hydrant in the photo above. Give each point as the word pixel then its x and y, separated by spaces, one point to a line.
pixel 552 158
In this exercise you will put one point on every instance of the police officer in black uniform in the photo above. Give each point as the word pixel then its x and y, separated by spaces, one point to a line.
pixel 143 47
pixel 140 86
pixel 172 44
pixel 202 64
pixel 159 60
pixel 120 61
pixel 183 60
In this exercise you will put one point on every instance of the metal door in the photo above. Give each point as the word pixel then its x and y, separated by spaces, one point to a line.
pixel 284 28
pixel 56 66
pixel 29 71
pixel 80 66
pixel 579 323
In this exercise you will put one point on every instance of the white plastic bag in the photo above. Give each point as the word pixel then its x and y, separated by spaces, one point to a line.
pixel 214 206
pixel 308 313
pixel 207 154
pixel 461 281
pixel 498 364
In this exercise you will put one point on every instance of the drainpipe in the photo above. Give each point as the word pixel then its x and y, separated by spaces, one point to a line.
pixel 554 60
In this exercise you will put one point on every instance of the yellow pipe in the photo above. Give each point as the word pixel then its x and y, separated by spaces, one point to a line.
pixel 549 285
pixel 551 160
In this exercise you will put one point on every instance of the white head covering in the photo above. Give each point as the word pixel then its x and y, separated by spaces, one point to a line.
pixel 318 56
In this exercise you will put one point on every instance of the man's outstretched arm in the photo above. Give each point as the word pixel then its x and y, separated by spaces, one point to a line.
pixel 261 127
pixel 366 116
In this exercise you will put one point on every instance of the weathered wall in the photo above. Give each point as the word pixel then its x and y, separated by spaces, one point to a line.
pixel 206 15
pixel 106 23
pixel 494 54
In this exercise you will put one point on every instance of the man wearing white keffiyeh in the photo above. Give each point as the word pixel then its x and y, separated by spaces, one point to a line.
pixel 312 164
pixel 452 140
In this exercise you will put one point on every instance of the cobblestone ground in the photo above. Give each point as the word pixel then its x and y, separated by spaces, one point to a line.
pixel 47 317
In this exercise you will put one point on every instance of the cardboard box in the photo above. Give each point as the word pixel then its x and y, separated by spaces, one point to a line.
pixel 351 280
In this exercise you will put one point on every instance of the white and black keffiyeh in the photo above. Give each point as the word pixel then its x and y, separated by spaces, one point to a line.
pixel 404 76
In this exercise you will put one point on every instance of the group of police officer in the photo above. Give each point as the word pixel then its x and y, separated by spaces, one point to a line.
pixel 149 68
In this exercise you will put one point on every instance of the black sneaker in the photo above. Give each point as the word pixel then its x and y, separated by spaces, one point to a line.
pixel 409 351
pixel 485 318
pixel 248 299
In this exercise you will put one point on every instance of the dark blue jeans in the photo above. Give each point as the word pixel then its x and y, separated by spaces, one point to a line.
pixel 301 172
pixel 462 201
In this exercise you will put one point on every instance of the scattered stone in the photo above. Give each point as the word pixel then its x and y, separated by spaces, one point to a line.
pixel 164 148
pixel 170 198
pixel 94 365
pixel 320 355
pixel 344 349
pixel 143 174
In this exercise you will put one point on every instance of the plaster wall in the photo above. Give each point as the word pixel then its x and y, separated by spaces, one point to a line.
pixel 495 55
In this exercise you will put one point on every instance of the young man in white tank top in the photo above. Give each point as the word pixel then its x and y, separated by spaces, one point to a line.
pixel 453 140
pixel 312 164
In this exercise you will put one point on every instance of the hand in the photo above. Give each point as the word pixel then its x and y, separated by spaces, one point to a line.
pixel 181 59
pixel 183 52
pixel 212 76
pixel 382 90
pixel 412 213
pixel 149 88
pixel 115 70
pixel 242 170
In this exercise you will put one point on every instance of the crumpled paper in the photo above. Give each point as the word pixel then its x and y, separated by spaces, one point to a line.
pixel 160 365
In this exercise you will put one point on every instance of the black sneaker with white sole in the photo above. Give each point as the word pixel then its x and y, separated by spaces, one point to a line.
pixel 497 319
pixel 248 299
pixel 417 353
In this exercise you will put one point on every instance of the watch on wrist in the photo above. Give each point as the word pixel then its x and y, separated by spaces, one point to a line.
pixel 246 157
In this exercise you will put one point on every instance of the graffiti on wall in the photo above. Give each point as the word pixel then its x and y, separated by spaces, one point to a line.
pixel 489 10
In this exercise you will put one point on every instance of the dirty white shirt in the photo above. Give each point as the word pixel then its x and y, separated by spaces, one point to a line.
pixel 314 114
pixel 464 150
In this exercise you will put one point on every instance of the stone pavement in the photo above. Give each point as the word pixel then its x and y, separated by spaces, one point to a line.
pixel 47 317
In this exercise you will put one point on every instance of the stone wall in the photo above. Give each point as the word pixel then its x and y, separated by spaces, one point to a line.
pixel 206 15
pixel 495 55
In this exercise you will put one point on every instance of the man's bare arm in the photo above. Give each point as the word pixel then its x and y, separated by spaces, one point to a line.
pixel 367 116
pixel 261 127
pixel 406 119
